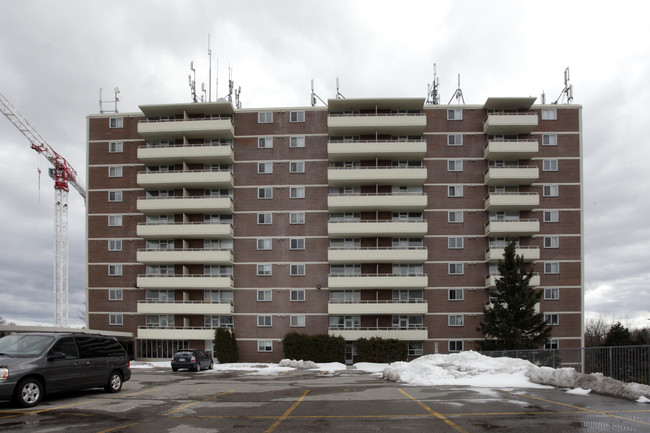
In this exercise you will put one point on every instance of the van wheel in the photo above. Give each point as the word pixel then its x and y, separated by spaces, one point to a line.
pixel 29 392
pixel 114 382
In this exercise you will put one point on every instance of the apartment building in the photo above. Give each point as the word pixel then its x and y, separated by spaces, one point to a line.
pixel 369 217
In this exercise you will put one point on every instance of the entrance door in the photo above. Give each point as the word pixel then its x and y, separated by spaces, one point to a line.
pixel 350 351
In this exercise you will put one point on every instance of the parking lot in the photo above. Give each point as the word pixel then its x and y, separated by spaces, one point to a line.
pixel 157 400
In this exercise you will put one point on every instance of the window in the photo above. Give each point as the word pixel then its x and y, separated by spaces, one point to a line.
pixel 455 165
pixel 265 142
pixel 552 344
pixel 456 345
pixel 456 320
pixel 214 322
pixel 552 319
pixel 298 294
pixel 297 218
pixel 264 218
pixel 297 321
pixel 115 147
pixel 265 346
pixel 297 141
pixel 405 322
pixel 551 268
pixel 455 114
pixel 455 243
pixel 297 167
pixel 265 193
pixel 264 321
pixel 549 165
pixel 456 269
pixel 264 270
pixel 456 295
pixel 115 294
pixel 115 319
pixel 297 270
pixel 115 245
pixel 264 244
pixel 549 114
pixel 265 117
pixel 551 241
pixel 115 171
pixel 551 293
pixel 297 192
pixel 116 122
pixel 114 270
pixel 550 190
pixel 454 140
pixel 297 116
pixel 265 168
pixel 551 216
pixel 455 216
pixel 415 348
pixel 115 196
pixel 455 191
pixel 549 139
pixel 264 295
pixel 115 220
pixel 297 244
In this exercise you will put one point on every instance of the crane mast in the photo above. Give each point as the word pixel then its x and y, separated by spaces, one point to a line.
pixel 63 175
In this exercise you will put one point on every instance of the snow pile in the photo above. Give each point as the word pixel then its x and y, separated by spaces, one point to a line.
pixel 299 365
pixel 370 367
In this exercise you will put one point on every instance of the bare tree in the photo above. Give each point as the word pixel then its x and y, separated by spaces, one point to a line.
pixel 596 331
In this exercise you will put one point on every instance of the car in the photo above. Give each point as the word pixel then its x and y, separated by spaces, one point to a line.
pixel 192 359
pixel 35 364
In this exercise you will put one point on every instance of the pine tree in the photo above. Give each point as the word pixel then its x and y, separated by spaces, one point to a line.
pixel 510 321
pixel 618 335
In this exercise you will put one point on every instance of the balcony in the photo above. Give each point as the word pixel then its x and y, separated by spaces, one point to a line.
pixel 377 255
pixel 186 179
pixel 185 256
pixel 377 281
pixel 351 150
pixel 521 122
pixel 510 150
pixel 529 253
pixel 185 231
pixel 188 281
pixel 510 176
pixel 503 201
pixel 399 176
pixel 150 333
pixel 185 307
pixel 377 307
pixel 198 204
pixel 221 153
pixel 388 228
pixel 377 202
pixel 215 127
pixel 379 123
pixel 512 228
pixel 490 280
pixel 352 334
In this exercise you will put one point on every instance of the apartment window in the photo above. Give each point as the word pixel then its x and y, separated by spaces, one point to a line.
pixel 115 171
pixel 552 319
pixel 297 116
pixel 265 117
pixel 297 244
pixel 456 295
pixel 115 196
pixel 264 244
pixel 265 193
pixel 551 241
pixel 116 122
pixel 552 268
pixel 115 319
pixel 551 293
pixel 115 245
pixel 297 270
pixel 297 218
pixel 115 220
pixel 264 295
pixel 455 114
pixel 454 140
pixel 115 147
pixel 415 348
pixel 297 167
pixel 549 114
pixel 552 344
pixel 455 243
pixel 455 165
pixel 549 165
pixel 114 270
pixel 455 345
pixel 550 191
pixel 264 269
pixel 456 268
pixel 297 141
pixel 265 168
pixel 455 191
pixel 551 216
pixel 298 294
pixel 456 320
pixel 265 142
pixel 549 139
pixel 297 192
pixel 455 216
pixel 265 346
pixel 297 321
pixel 264 321
pixel 115 294
pixel 265 218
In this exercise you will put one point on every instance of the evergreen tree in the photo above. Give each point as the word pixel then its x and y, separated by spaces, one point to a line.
pixel 510 321
pixel 225 345
pixel 618 335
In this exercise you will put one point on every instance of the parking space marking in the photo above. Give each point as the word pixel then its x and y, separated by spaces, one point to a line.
pixel 434 413
pixel 197 402
pixel 286 414
pixel 118 428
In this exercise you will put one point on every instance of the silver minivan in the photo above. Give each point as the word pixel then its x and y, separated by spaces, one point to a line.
pixel 33 364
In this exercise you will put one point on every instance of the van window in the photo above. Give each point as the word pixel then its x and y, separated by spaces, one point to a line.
pixel 94 347
pixel 24 344
pixel 66 346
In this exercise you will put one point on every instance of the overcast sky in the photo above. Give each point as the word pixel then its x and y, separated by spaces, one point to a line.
pixel 55 56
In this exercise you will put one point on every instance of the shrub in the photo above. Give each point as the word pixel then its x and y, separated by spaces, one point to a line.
pixel 225 345
pixel 381 350
pixel 317 348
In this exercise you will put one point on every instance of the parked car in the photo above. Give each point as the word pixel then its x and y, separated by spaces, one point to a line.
pixel 35 364
pixel 192 359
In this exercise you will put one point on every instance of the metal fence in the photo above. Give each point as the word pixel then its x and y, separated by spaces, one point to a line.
pixel 625 363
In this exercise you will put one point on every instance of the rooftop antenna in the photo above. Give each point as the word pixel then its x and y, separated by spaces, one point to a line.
pixel 192 81
pixel 237 101
pixel 209 71
pixel 433 97
pixel 543 97
pixel 203 95
pixel 231 84
pixel 339 95
pixel 116 90
pixel 568 89
pixel 458 94
pixel 216 91
pixel 314 96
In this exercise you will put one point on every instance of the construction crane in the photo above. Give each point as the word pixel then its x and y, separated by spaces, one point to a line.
pixel 63 175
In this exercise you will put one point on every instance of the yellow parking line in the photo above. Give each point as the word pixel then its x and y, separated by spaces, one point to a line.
pixel 434 413
pixel 197 402
pixel 287 413
pixel 118 428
